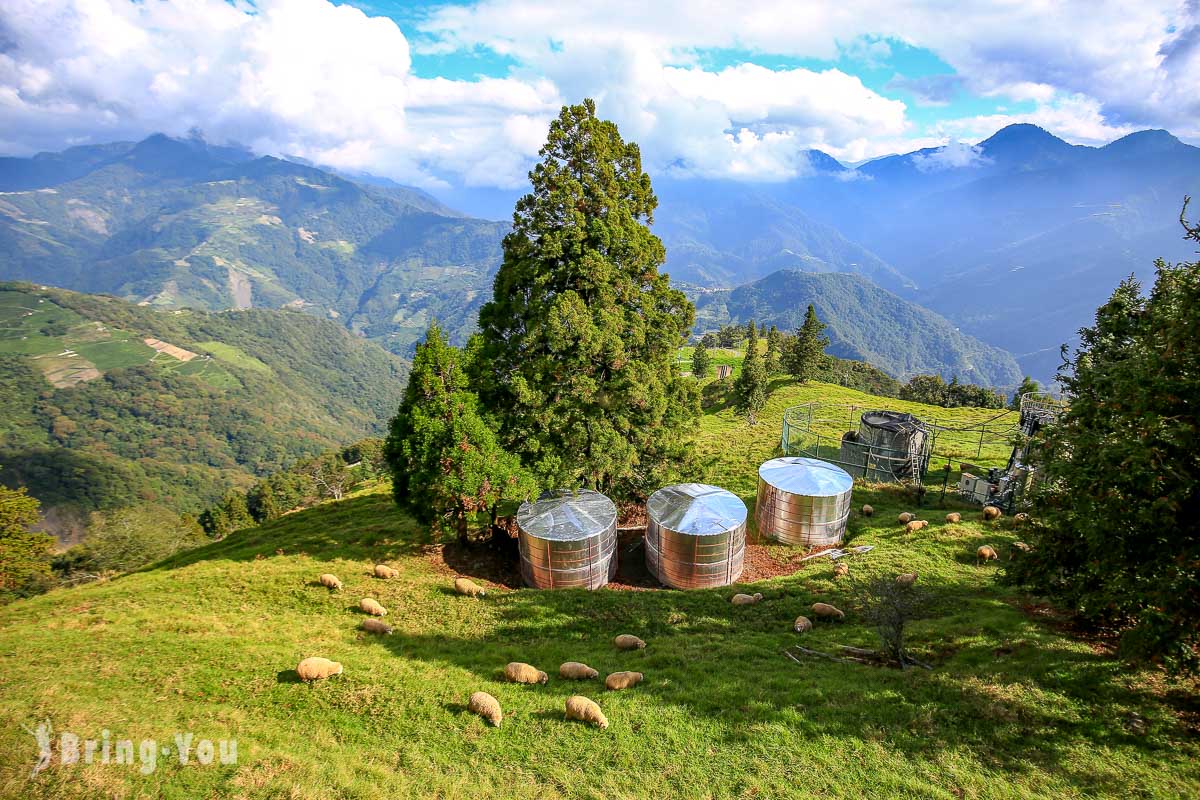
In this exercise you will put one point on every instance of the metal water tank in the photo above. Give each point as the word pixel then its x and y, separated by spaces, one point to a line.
pixel 803 501
pixel 568 539
pixel 695 536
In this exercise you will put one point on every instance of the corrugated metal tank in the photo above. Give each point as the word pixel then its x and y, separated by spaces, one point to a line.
pixel 695 536
pixel 568 539
pixel 803 501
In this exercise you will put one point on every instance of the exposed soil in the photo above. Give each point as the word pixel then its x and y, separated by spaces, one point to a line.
pixel 496 561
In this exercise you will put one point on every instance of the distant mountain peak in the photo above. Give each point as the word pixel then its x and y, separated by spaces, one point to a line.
pixel 1143 142
pixel 1021 134
pixel 821 161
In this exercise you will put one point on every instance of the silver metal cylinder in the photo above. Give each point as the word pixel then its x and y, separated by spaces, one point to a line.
pixel 803 501
pixel 695 536
pixel 568 539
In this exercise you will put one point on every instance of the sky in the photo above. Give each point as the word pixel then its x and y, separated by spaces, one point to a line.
pixel 460 95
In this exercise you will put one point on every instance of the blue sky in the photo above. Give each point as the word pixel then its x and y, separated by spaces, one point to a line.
pixel 459 95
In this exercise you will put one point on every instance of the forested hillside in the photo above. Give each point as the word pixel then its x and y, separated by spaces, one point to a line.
pixel 866 323
pixel 182 223
pixel 105 404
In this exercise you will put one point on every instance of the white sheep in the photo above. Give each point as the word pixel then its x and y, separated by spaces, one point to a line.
pixel 371 606
pixel 487 707
pixel 627 641
pixel 384 571
pixel 585 710
pixel 520 672
pixel 315 668
pixel 330 581
pixel 746 599
pixel 372 625
pixel 827 611
pixel 577 671
pixel 986 553
pixel 469 587
pixel 622 680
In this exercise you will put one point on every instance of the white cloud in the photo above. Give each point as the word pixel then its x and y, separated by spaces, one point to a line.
pixel 953 155
pixel 334 84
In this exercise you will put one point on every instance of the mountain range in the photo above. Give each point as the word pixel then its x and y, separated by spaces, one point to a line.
pixel 1013 241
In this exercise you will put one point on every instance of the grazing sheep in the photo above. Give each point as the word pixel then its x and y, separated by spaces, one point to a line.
pixel 802 625
pixel 627 641
pixel 577 671
pixel 1021 518
pixel 907 579
pixel 384 571
pixel 916 525
pixel 840 569
pixel 622 680
pixel 986 553
pixel 371 606
pixel 868 510
pixel 1018 547
pixel 991 512
pixel 520 672
pixel 331 582
pixel 954 517
pixel 469 587
pixel 746 599
pixel 487 707
pixel 372 625
pixel 315 668
pixel 827 611
pixel 906 517
pixel 584 710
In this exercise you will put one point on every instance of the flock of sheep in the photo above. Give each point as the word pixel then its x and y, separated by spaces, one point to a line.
pixel 582 708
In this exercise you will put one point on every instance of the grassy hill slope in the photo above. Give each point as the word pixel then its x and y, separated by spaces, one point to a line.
pixel 107 404
pixel 206 643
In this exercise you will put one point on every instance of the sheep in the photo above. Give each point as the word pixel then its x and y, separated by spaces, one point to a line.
pixel 907 579
pixel 827 611
pixel 627 641
pixel 802 625
pixel 986 553
pixel 520 672
pixel 372 625
pixel 1021 518
pixel 585 710
pixel 746 599
pixel 906 518
pixel 840 569
pixel 954 517
pixel 991 512
pixel 384 571
pixel 469 587
pixel 868 511
pixel 577 671
pixel 916 525
pixel 371 606
pixel 487 707
pixel 315 668
pixel 622 680
pixel 330 582
pixel 1018 547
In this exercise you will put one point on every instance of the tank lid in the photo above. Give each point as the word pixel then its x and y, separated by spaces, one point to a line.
pixel 696 508
pixel 890 420
pixel 809 477
pixel 567 515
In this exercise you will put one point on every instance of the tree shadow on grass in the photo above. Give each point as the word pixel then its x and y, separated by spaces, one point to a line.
pixel 1014 709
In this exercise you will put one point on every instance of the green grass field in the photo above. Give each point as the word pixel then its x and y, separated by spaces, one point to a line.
pixel 1016 706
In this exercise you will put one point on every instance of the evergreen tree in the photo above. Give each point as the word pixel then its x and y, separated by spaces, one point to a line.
pixel 1118 537
pixel 1027 385
pixel 579 342
pixel 750 387
pixel 804 356
pixel 701 361
pixel 231 514
pixel 773 361
pixel 447 465
pixel 24 553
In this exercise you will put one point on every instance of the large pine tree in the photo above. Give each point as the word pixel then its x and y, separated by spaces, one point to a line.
pixel 804 355
pixel 750 387
pixel 579 340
